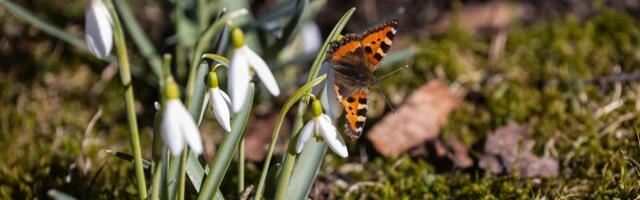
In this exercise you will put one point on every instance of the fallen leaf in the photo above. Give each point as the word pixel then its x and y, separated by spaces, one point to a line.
pixel 419 119
pixel 509 149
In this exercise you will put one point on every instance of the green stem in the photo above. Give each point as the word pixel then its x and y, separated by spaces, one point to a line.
pixel 218 58
pixel 182 176
pixel 125 75
pixel 203 15
pixel 156 183
pixel 301 92
pixel 173 171
pixel 241 167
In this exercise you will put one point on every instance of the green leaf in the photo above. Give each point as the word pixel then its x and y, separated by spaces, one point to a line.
pixel 289 29
pixel 218 58
pixel 306 169
pixel 200 88
pixel 128 157
pixel 226 151
pixel 141 40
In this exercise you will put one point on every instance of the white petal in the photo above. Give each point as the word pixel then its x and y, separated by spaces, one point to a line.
pixel 305 134
pixel 190 132
pixel 171 133
pixel 220 109
pixel 331 136
pixel 334 107
pixel 311 37
pixel 205 101
pixel 238 79
pixel 208 97
pixel 226 99
pixel 98 29
pixel 263 71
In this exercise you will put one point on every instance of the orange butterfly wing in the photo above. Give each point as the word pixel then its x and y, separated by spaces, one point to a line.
pixel 355 107
pixel 377 42
pixel 346 49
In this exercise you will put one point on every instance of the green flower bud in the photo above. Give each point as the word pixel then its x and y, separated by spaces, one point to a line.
pixel 213 80
pixel 316 107
pixel 171 90
pixel 237 36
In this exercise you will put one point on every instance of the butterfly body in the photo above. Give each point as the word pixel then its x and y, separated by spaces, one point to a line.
pixel 354 59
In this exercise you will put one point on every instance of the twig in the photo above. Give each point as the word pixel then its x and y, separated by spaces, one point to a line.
pixel 247 191
pixel 622 77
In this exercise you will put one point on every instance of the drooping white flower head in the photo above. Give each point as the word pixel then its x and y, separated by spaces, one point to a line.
pixel 322 128
pixel 178 126
pixel 98 29
pixel 311 38
pixel 239 74
pixel 219 102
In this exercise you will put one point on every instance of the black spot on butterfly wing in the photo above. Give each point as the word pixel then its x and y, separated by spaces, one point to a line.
pixel 384 46
pixel 390 34
pixel 378 57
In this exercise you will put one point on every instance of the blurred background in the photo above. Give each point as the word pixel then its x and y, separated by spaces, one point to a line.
pixel 501 100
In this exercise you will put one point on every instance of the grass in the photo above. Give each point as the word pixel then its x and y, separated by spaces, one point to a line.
pixel 48 100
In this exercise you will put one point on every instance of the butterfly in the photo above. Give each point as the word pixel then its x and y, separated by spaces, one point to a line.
pixel 354 58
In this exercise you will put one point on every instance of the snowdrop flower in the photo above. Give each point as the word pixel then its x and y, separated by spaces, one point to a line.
pixel 320 126
pixel 219 102
pixel 311 38
pixel 178 126
pixel 239 74
pixel 98 29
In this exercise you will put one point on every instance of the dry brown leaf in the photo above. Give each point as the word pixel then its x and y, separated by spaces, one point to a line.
pixel 509 149
pixel 419 119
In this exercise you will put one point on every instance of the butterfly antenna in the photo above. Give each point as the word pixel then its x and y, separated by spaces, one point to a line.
pixel 377 85
pixel 386 100
pixel 391 73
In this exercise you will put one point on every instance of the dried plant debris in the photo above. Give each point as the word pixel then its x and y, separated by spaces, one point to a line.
pixel 458 153
pixel 419 119
pixel 508 150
